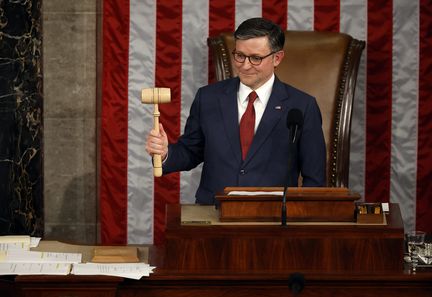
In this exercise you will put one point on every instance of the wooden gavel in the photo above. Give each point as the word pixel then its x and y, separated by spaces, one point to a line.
pixel 156 96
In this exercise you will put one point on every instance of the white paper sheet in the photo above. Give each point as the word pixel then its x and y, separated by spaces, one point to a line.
pixel 20 256
pixel 128 270
pixel 34 268
pixel 18 242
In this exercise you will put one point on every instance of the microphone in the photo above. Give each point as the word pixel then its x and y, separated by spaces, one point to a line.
pixel 294 123
pixel 296 283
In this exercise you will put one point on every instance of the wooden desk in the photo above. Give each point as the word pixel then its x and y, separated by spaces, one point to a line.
pixel 203 271
pixel 271 284
pixel 324 247
pixel 70 286
pixel 164 283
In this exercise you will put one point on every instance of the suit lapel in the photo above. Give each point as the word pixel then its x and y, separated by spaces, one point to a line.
pixel 275 108
pixel 229 109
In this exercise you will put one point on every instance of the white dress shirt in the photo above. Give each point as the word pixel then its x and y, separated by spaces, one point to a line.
pixel 260 103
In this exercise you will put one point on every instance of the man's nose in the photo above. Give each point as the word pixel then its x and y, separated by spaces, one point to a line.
pixel 247 64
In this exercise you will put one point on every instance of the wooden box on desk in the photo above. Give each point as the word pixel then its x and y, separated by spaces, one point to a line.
pixel 369 213
pixel 303 204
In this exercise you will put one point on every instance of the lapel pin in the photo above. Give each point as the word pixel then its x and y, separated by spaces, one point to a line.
pixel 278 107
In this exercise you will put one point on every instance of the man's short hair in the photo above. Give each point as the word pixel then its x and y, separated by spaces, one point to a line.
pixel 258 27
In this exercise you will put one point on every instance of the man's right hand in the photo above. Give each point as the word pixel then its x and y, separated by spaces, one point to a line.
pixel 157 143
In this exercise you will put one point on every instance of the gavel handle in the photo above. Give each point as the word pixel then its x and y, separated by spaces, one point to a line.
pixel 157 159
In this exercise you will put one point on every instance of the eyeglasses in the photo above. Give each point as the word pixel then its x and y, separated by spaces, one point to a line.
pixel 254 60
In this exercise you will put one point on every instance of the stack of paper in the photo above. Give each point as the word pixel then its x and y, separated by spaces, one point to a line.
pixel 128 270
pixel 34 268
pixel 20 242
pixel 17 258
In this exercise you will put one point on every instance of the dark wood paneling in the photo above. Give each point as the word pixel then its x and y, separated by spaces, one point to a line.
pixel 70 286
pixel 400 284
pixel 297 247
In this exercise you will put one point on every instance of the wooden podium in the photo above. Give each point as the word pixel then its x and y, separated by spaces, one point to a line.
pixel 211 244
pixel 255 204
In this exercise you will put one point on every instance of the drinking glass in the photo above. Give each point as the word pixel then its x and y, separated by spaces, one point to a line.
pixel 425 253
pixel 415 241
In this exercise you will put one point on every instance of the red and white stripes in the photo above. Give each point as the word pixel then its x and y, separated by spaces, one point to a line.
pixel 163 43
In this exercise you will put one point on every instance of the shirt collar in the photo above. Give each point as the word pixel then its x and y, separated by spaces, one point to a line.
pixel 263 92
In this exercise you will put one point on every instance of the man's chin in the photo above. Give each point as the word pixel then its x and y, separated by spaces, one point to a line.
pixel 248 80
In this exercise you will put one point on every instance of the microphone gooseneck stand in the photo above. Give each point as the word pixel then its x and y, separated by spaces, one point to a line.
pixel 294 122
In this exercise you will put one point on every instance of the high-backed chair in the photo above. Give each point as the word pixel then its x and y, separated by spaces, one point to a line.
pixel 324 65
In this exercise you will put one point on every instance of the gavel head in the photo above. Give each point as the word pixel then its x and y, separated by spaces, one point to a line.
pixel 156 95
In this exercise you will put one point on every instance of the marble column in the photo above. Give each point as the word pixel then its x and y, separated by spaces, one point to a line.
pixel 21 174
pixel 70 119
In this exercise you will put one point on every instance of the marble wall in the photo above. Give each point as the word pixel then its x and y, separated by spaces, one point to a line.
pixel 21 137
pixel 49 180
pixel 70 119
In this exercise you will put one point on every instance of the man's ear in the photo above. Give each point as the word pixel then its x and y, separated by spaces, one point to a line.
pixel 278 56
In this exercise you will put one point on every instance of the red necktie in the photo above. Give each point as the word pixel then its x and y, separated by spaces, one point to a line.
pixel 247 125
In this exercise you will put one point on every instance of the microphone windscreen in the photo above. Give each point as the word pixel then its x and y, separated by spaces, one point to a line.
pixel 294 118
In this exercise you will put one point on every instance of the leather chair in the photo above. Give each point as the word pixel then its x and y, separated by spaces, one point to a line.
pixel 324 65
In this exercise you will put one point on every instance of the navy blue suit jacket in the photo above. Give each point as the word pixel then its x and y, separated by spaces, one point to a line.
pixel 211 136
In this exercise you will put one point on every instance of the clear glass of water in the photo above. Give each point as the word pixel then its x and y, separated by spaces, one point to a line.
pixel 425 254
pixel 415 243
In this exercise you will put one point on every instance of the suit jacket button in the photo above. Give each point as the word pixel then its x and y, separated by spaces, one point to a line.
pixel 242 172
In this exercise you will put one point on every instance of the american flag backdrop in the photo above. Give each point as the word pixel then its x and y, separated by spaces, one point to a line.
pixel 148 43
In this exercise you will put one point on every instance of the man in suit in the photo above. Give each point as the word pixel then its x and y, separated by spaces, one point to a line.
pixel 238 127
